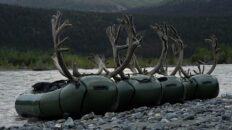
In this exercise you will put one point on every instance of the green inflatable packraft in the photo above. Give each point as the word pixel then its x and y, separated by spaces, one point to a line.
pixel 93 93
pixel 191 89
pixel 100 94
pixel 139 90
pixel 207 86
pixel 173 89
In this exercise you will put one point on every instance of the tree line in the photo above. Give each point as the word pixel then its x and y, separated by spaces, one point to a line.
pixel 28 29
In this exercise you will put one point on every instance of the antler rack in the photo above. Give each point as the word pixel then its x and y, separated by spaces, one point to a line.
pixel 132 42
pixel 215 49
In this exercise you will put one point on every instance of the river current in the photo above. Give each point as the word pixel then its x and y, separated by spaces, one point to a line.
pixel 12 83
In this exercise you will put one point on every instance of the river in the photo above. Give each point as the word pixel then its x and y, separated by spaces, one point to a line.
pixel 12 83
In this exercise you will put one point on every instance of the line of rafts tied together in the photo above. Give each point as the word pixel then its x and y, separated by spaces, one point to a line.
pixel 114 90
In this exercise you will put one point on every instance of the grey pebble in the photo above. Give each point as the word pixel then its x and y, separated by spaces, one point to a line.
pixel 69 123
pixel 189 117
pixel 164 121
pixel 88 116
pixel 197 114
pixel 109 114
pixel 171 115
pixel 226 117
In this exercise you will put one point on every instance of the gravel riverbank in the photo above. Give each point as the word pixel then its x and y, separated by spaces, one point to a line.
pixel 198 114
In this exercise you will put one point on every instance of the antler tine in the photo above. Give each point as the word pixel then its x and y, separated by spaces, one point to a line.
pixel 132 35
pixel 136 64
pixel 114 37
pixel 214 43
pixel 186 74
pixel 57 30
pixel 162 32
pixel 199 69
pixel 131 44
pixel 178 48
pixel 129 55
pixel 131 66
pixel 100 61
pixel 75 70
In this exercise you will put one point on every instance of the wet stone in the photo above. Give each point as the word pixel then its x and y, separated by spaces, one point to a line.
pixel 215 119
pixel 129 128
pixel 226 117
pixel 91 126
pixel 49 124
pixel 69 123
pixel 189 117
pixel 114 118
pixel 158 117
pixel 109 114
pixel 140 109
pixel 100 121
pixel 58 126
pixel 228 107
pixel 174 119
pixel 150 113
pixel 79 127
pixel 137 115
pixel 164 121
pixel 171 115
pixel 159 126
pixel 88 116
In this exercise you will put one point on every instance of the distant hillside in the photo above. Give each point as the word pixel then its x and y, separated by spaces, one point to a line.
pixel 189 8
pixel 30 29
pixel 85 5
pixel 152 7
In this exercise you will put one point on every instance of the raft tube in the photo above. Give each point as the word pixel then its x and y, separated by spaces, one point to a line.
pixel 139 90
pixel 173 89
pixel 92 94
pixel 99 94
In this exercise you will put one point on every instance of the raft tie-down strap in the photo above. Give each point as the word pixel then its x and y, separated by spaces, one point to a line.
pixel 184 92
pixel 83 98
pixel 116 104
pixel 197 86
pixel 61 109
pixel 132 96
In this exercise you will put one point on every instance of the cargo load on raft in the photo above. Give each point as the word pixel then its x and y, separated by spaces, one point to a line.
pixel 112 91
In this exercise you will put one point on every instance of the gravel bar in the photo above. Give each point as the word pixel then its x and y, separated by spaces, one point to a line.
pixel 192 115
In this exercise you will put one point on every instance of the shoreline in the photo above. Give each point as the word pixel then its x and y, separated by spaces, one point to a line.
pixel 51 69
pixel 197 114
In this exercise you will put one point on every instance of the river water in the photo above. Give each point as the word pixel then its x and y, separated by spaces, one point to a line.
pixel 12 83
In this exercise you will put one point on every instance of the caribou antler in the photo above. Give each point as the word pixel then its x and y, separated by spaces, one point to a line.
pixel 113 35
pixel 100 61
pixel 134 66
pixel 214 44
pixel 57 30
pixel 132 42
pixel 162 32
pixel 177 48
